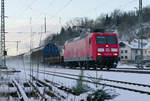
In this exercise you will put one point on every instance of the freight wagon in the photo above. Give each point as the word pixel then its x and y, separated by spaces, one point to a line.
pixel 49 54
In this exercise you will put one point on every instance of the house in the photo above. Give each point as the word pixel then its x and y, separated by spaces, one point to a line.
pixel 129 50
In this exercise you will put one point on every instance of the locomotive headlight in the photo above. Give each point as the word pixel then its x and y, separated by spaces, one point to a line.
pixel 100 49
pixel 114 49
pixel 99 54
pixel 115 54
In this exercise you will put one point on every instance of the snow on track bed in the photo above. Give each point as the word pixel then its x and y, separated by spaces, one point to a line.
pixel 117 81
pixel 62 92
pixel 126 77
pixel 124 95
pixel 104 84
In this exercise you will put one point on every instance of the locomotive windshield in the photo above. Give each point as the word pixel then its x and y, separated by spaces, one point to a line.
pixel 100 40
pixel 106 40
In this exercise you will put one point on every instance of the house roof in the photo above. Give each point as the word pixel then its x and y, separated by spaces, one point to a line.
pixel 148 45
pixel 134 44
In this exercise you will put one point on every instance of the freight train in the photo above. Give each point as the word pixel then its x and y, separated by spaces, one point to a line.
pixel 98 50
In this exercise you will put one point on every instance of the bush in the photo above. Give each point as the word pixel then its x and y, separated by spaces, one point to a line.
pixel 79 89
pixel 101 95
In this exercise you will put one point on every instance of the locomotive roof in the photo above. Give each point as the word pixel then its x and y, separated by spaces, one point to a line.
pixel 77 38
pixel 85 35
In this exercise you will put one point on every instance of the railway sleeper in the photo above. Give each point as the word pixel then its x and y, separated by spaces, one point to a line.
pixel 50 91
pixel 66 89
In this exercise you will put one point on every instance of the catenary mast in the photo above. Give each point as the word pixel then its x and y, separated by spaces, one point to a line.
pixel 2 45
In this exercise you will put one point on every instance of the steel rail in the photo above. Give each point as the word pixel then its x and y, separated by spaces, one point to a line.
pixel 116 81
pixel 21 94
pixel 115 70
pixel 50 88
pixel 38 91
pixel 109 85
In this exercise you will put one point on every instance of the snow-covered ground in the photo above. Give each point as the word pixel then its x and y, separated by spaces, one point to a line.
pixel 123 94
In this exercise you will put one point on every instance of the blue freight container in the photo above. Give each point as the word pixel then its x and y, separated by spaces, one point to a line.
pixel 51 50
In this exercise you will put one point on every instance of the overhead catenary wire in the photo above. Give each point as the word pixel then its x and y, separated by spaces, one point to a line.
pixel 58 11
pixel 51 2
pixel 61 9
pixel 43 11
pixel 29 6
pixel 127 4
pixel 120 7
pixel 31 65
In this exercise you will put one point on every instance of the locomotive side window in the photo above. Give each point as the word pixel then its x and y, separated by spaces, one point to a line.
pixel 89 40
pixel 100 40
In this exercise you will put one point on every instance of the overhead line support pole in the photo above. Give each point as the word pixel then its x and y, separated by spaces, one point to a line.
pixel 140 31
pixel 45 25
pixel 3 51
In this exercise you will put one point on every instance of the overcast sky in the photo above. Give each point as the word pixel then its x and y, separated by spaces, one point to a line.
pixel 58 12
pixel 19 11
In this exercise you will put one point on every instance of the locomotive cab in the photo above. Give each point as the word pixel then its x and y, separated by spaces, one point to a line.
pixel 107 50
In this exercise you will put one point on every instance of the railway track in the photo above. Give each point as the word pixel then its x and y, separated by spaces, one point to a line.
pixel 121 70
pixel 50 92
pixel 60 91
pixel 126 71
pixel 89 77
pixel 56 85
pixel 73 77
pixel 133 68
pixel 23 89
pixel 20 92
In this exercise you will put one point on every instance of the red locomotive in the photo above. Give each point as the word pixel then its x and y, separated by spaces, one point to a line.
pixel 99 50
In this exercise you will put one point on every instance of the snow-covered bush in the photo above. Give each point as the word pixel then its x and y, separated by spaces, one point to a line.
pixel 101 95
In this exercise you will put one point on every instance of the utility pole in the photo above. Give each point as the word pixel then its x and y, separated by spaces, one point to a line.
pixel 45 33
pixel 45 26
pixel 140 36
pixel 31 69
pixel 31 33
pixel 45 30
pixel 2 48
pixel 17 47
pixel 141 33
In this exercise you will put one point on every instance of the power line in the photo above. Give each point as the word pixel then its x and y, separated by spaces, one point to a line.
pixel 89 11
pixel 50 4
pixel 29 6
pixel 61 9
pixel 125 5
